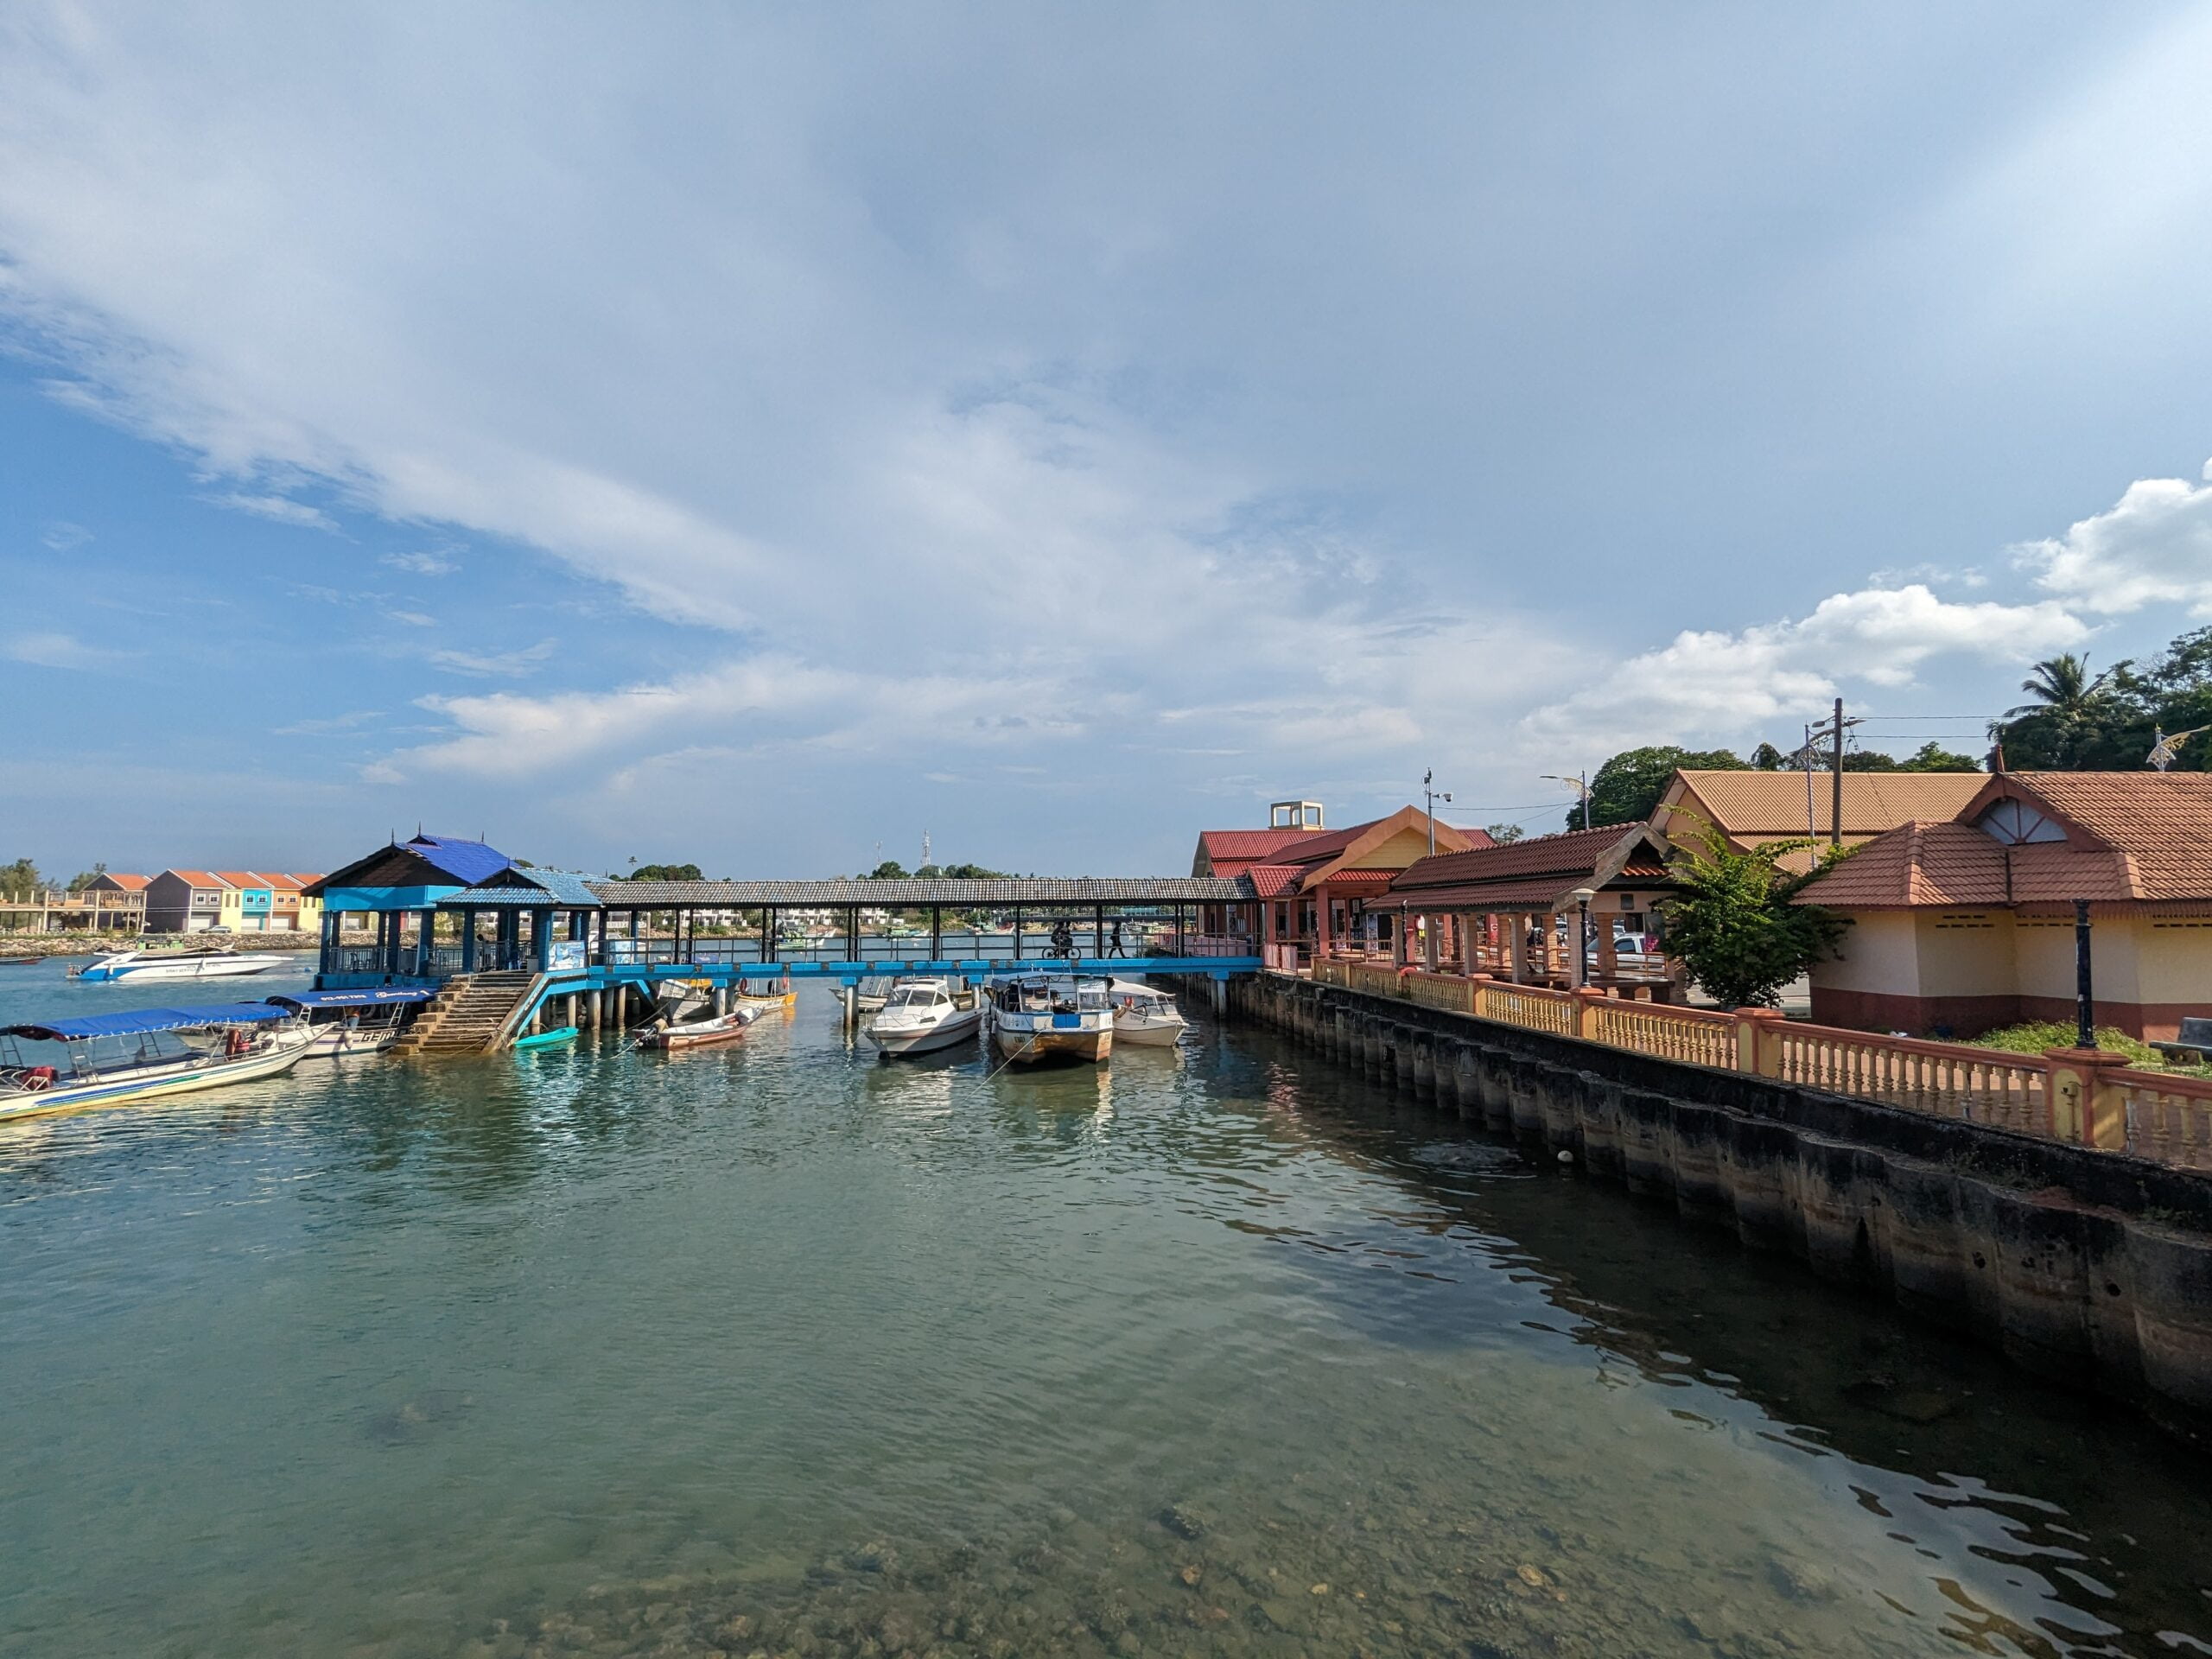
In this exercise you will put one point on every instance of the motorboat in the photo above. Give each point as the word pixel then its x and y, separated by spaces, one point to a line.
pixel 921 1016
pixel 697 1025
pixel 177 964
pixel 1048 1016
pixel 1146 1016
pixel 352 1025
pixel 104 1059
pixel 781 999
pixel 872 994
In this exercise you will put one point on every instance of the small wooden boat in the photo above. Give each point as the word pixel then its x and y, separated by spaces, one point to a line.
pixel 781 998
pixel 105 1059
pixel 700 1029
pixel 1040 1017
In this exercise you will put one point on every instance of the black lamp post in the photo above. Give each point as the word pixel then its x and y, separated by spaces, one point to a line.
pixel 2085 999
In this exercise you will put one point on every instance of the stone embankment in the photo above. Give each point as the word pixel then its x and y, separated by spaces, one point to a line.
pixel 2087 1267
pixel 88 944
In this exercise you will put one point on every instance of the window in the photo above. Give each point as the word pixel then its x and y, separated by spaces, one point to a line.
pixel 2016 824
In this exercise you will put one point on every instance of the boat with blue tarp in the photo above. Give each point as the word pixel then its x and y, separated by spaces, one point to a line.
pixel 100 1059
pixel 350 1024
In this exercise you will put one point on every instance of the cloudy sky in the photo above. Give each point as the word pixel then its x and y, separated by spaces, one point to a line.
pixel 755 435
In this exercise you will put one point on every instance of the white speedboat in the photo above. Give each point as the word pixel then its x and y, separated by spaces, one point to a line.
pixel 104 1059
pixel 1038 1017
pixel 1146 1016
pixel 177 964
pixel 920 1016
pixel 352 1025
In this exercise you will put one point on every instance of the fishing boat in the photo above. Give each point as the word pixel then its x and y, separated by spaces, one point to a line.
pixel 1047 1016
pixel 921 1016
pixel 350 1024
pixel 103 1059
pixel 177 964
pixel 1146 1016
pixel 780 999
pixel 873 993
pixel 697 1026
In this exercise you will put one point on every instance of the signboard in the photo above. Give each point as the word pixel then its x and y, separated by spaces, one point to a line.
pixel 562 954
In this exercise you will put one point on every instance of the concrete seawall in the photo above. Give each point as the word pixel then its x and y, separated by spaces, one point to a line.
pixel 2089 1269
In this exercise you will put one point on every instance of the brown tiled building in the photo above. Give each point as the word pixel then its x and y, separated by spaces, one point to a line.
pixel 1965 923
pixel 1752 808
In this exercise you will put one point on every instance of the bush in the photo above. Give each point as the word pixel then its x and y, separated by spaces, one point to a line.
pixel 2039 1036
pixel 1733 924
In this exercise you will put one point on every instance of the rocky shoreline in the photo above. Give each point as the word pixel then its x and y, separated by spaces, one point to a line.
pixel 38 947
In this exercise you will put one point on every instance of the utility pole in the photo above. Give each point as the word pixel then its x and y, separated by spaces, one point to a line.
pixel 1433 795
pixel 1833 729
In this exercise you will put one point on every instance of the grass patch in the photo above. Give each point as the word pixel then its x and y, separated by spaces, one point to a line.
pixel 2038 1035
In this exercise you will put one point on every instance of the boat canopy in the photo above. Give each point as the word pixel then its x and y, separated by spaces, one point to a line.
pixel 140 1022
pixel 376 996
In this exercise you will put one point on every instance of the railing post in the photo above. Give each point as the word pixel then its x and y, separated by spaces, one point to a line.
pixel 1476 985
pixel 2086 1106
pixel 1587 999
pixel 1758 1041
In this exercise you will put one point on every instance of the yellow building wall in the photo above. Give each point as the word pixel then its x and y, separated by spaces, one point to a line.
pixel 1396 854
pixel 2173 961
pixel 1879 952
pixel 1965 952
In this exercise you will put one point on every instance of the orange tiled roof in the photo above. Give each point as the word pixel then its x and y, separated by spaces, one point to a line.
pixel 199 878
pixel 1753 807
pixel 129 883
pixel 241 878
pixel 278 882
pixel 2131 837
pixel 1536 871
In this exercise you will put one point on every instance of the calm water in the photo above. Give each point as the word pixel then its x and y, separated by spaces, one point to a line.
pixel 781 1350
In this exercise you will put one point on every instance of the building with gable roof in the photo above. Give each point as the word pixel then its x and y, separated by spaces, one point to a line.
pixel 1965 923
pixel 1751 809
pixel 397 890
pixel 186 901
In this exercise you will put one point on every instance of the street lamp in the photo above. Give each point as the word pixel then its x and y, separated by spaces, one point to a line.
pixel 1582 896
pixel 2085 996
pixel 1579 784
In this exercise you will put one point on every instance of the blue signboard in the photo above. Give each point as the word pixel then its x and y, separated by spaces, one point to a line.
pixel 566 954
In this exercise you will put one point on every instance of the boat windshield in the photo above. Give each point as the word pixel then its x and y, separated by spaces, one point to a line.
pixel 915 996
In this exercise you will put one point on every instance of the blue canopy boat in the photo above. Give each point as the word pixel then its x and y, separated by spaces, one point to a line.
pixel 345 1024
pixel 100 1059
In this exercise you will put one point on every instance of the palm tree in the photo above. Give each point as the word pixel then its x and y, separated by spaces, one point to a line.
pixel 2068 702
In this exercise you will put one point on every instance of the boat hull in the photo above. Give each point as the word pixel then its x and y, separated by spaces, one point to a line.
pixel 928 1040
pixel 701 1034
pixel 156 1083
pixel 1020 1046
pixel 1150 1033
pixel 226 967
pixel 337 1043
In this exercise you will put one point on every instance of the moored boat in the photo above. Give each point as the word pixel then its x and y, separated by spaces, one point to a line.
pixel 781 998
pixel 1144 1015
pixel 922 1016
pixel 1040 1017
pixel 177 964
pixel 351 1025
pixel 697 1026
pixel 106 1058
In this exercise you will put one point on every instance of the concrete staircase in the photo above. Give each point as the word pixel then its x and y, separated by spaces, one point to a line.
pixel 466 1016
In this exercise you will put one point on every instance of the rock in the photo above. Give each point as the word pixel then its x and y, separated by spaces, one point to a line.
pixel 1535 1576
pixel 1190 1575
pixel 1184 1521
pixel 1319 1590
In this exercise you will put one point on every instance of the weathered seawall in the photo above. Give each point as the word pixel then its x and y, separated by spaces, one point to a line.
pixel 2089 1268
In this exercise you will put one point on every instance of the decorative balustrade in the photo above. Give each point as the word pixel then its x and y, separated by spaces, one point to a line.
pixel 2084 1099
pixel 2155 1115
pixel 1693 1036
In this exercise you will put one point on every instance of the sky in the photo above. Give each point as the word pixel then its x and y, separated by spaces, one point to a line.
pixel 756 435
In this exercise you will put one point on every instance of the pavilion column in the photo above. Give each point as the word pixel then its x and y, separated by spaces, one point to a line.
pixel 541 938
pixel 1429 941
pixel 1323 904
pixel 1516 947
pixel 467 941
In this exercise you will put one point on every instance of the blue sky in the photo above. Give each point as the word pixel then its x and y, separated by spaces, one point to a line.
pixel 751 436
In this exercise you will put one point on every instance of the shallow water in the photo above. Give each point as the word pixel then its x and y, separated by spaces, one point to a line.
pixel 780 1349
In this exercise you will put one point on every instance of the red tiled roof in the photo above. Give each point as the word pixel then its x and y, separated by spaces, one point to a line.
pixel 1273 881
pixel 1355 883
pixel 1229 852
pixel 2131 836
pixel 1535 871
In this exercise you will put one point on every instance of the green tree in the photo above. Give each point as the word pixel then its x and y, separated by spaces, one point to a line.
pixel 1767 758
pixel 1630 785
pixel 1733 924
pixel 1503 833
pixel 20 879
pixel 85 879
pixel 1929 758
pixel 890 870
pixel 2073 718
pixel 666 872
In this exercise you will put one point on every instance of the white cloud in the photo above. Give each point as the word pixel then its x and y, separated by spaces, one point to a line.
pixel 1716 686
pixel 282 508
pixel 60 535
pixel 413 618
pixel 491 664
pixel 57 651
pixel 2152 547
pixel 420 564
